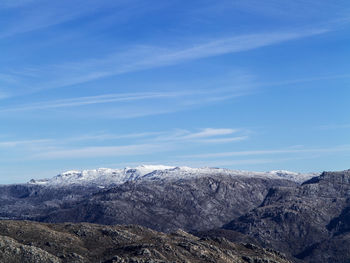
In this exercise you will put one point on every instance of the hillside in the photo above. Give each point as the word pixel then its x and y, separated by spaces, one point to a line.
pixel 29 242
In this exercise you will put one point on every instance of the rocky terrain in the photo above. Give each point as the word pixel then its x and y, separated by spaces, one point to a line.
pixel 310 222
pixel 164 200
pixel 30 242
pixel 190 204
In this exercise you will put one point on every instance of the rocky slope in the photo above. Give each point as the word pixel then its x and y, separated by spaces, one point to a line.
pixel 310 222
pixel 29 242
pixel 197 203
pixel 164 199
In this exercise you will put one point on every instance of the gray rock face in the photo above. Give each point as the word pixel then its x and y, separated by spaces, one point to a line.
pixel 310 222
pixel 30 242
pixel 165 205
pixel 26 201
pixel 12 252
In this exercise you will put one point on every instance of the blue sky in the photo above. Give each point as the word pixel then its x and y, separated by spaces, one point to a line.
pixel 253 85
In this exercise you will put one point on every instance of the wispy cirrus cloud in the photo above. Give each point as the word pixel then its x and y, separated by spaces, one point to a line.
pixel 206 135
pixel 290 150
pixel 11 144
pixel 210 132
pixel 225 140
pixel 33 15
pixel 137 104
pixel 109 136
pixel 102 145
pixel 99 99
pixel 142 57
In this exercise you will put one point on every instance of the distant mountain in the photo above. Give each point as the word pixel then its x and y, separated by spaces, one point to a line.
pixel 108 177
pixel 160 197
pixel 101 176
pixel 166 204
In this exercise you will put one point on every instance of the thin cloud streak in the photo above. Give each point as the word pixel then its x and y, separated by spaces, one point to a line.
pixel 225 140
pixel 38 15
pixel 10 144
pixel 141 143
pixel 341 148
pixel 209 132
pixel 106 136
pixel 127 105
pixel 165 57
pixel 303 80
pixel 178 105
pixel 207 135
pixel 108 98
pixel 147 57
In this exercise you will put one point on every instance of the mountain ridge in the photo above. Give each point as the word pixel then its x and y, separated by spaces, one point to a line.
pixel 108 176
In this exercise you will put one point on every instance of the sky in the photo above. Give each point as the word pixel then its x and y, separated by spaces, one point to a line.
pixel 241 84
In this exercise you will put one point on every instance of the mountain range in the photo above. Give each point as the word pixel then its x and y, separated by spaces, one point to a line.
pixel 107 177
pixel 304 216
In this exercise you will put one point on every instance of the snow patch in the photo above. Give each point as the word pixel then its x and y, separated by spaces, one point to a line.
pixel 103 177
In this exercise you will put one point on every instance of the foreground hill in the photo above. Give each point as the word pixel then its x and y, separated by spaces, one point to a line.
pixel 29 242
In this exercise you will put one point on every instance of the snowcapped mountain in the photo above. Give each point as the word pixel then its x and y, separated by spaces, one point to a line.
pixel 105 176
pixel 293 176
